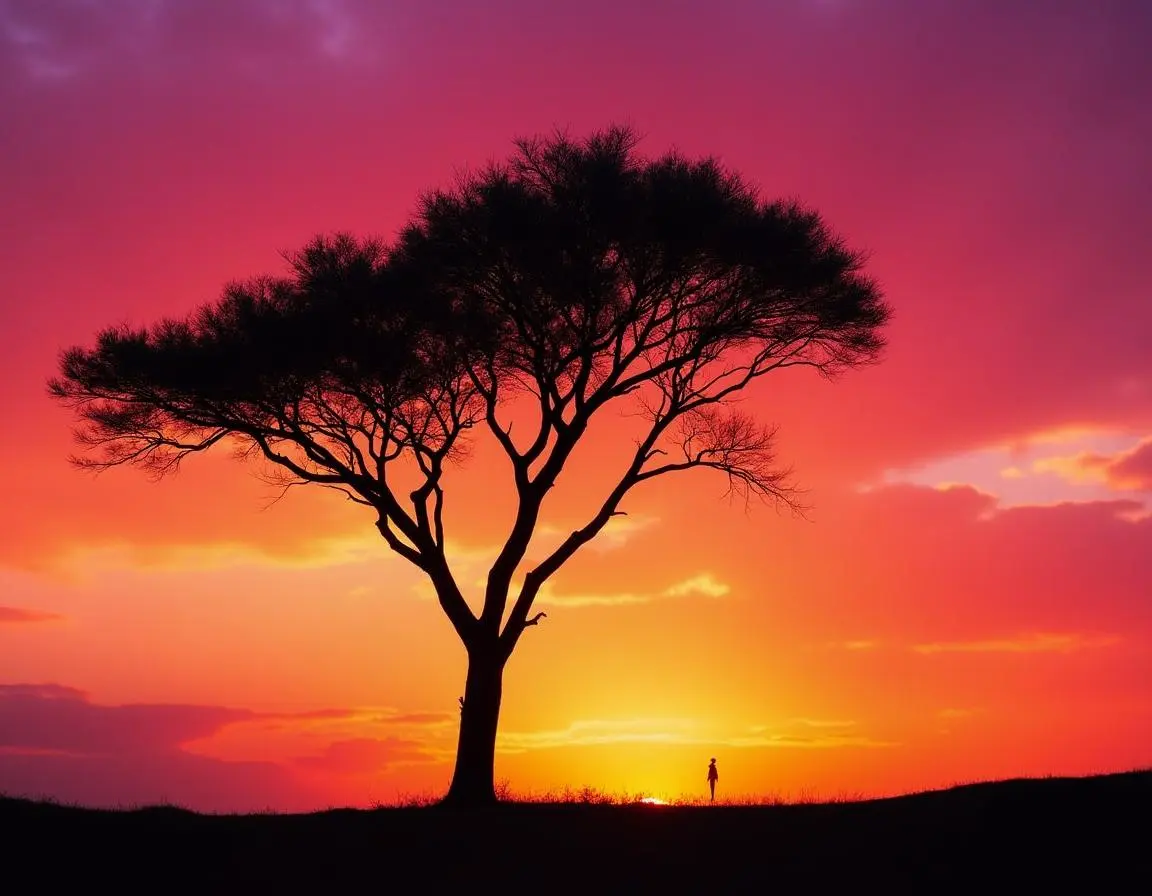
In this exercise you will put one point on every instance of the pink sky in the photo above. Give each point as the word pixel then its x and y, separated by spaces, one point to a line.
pixel 970 596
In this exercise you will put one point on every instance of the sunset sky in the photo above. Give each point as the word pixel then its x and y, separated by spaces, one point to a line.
pixel 971 594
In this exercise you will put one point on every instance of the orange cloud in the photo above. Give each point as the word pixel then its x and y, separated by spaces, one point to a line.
pixel 214 513
pixel 861 644
pixel 366 755
pixel 953 713
pixel 684 732
pixel 417 718
pixel 1033 643
pixel 1129 470
pixel 1084 466
pixel 19 615
pixel 702 585
pixel 1133 469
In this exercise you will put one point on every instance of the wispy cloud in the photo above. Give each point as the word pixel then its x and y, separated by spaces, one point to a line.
pixel 808 732
pixel 702 585
pixel 619 531
pixel 593 732
pixel 1044 468
pixel 1128 470
pixel 18 615
pixel 417 718
pixel 366 755
pixel 54 40
pixel 955 713
pixel 1039 642
pixel 823 723
pixel 321 553
pixel 687 732
pixel 857 644
pixel 810 742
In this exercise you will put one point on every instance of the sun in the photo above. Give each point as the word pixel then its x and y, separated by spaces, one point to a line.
pixel 653 801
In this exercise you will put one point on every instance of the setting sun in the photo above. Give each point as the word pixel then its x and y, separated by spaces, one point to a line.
pixel 910 550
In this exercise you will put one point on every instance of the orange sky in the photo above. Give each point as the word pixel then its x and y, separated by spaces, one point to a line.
pixel 969 597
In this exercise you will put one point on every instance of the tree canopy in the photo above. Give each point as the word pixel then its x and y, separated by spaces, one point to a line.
pixel 573 275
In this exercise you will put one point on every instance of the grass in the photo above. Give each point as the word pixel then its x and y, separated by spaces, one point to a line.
pixel 992 836
pixel 590 796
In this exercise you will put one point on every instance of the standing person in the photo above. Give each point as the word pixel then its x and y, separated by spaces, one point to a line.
pixel 713 777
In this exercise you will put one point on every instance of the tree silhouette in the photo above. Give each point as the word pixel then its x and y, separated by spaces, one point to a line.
pixel 574 275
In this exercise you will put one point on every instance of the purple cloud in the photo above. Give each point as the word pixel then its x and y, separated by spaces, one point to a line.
pixel 50 717
pixel 56 744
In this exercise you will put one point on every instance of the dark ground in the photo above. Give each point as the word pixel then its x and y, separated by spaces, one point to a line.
pixel 1088 834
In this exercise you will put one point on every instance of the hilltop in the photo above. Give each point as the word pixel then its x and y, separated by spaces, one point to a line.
pixel 995 834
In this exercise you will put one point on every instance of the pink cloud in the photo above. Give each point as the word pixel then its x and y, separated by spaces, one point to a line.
pixel 913 564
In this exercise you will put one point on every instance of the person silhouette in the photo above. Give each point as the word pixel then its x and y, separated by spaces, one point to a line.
pixel 713 777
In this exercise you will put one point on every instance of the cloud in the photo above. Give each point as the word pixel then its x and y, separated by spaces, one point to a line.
pixel 617 532
pixel 42 691
pixel 595 732
pixel 812 742
pixel 860 644
pixel 418 718
pixel 703 585
pixel 1040 469
pixel 1128 470
pixel 58 40
pixel 1080 468
pixel 822 723
pixel 676 732
pixel 60 718
pixel 305 720
pixel 17 615
pixel 52 717
pixel 1132 469
pixel 215 513
pixel 830 734
pixel 367 755
pixel 317 552
pixel 926 567
pixel 954 713
pixel 1033 643
pixel 698 586
pixel 55 743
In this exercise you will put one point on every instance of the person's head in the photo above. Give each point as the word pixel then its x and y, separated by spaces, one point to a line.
pixel 713 761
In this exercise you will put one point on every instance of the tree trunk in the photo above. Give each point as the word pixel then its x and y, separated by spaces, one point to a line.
pixel 472 780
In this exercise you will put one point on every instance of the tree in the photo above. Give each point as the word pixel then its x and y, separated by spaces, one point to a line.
pixel 572 276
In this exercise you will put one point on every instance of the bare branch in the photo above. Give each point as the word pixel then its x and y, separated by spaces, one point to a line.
pixel 575 275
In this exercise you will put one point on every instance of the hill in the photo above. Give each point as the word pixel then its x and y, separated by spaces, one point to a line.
pixel 1086 831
